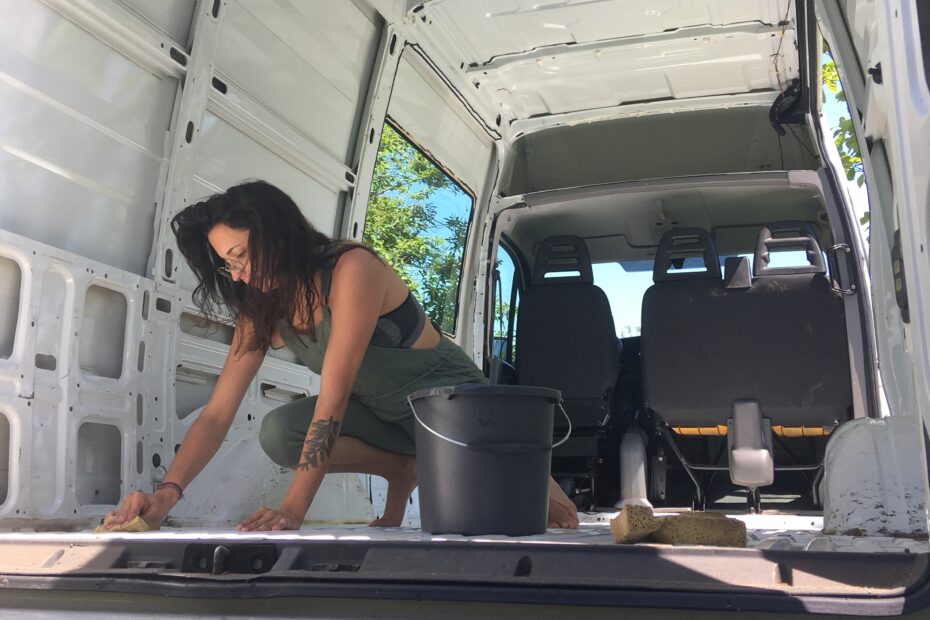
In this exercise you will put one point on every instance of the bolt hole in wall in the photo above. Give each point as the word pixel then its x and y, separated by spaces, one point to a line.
pixel 46 362
pixel 98 464
pixel 169 264
pixel 103 332
pixel 10 283
pixel 146 305
pixel 178 56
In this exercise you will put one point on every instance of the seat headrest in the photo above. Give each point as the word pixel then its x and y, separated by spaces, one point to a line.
pixel 736 273
pixel 561 260
pixel 787 236
pixel 679 244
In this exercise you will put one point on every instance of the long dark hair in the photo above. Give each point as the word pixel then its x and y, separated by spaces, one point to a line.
pixel 285 252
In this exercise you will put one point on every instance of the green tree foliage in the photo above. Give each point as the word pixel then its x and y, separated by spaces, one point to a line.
pixel 501 314
pixel 844 134
pixel 404 227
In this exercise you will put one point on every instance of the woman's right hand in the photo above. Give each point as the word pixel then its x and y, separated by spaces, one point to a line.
pixel 152 507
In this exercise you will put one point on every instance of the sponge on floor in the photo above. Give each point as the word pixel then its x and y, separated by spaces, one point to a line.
pixel 702 528
pixel 137 524
pixel 634 524
pixel 637 523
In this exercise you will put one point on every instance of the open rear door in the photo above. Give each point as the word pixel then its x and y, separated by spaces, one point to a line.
pixel 881 49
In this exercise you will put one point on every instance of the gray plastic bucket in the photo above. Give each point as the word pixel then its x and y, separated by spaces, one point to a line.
pixel 483 458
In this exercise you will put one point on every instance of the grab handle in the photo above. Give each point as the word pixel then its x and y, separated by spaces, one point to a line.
pixel 493 446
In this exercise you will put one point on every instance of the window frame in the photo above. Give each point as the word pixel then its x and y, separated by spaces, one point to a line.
pixel 390 121
pixel 517 287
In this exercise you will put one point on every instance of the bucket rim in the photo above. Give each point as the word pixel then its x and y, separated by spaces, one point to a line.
pixel 482 389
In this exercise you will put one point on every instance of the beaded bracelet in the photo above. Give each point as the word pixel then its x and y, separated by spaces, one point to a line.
pixel 171 485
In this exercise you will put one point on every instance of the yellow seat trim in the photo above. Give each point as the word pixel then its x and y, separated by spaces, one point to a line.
pixel 720 430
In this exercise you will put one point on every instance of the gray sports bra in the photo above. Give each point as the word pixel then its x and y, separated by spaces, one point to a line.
pixel 399 328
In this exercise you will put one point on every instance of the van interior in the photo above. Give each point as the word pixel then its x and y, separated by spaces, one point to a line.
pixel 639 204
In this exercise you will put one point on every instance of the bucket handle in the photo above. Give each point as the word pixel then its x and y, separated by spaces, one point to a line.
pixel 496 447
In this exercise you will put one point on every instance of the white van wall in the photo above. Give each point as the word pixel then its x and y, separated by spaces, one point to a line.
pixel 99 376
pixel 83 148
pixel 121 113
pixel 83 139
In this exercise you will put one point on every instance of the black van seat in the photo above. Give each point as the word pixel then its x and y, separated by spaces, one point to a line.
pixel 680 320
pixel 770 352
pixel 801 347
pixel 566 340
pixel 565 335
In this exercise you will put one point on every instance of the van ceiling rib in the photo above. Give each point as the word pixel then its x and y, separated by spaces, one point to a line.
pixel 695 33
pixel 562 57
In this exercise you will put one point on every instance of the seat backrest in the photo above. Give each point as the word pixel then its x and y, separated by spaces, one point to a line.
pixel 797 325
pixel 679 318
pixel 566 337
pixel 780 341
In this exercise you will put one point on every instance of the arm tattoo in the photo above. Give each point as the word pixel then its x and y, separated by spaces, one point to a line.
pixel 319 446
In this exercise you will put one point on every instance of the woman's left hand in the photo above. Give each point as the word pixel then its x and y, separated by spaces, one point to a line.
pixel 267 519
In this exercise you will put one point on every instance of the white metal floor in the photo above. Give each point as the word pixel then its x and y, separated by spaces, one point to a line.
pixel 765 531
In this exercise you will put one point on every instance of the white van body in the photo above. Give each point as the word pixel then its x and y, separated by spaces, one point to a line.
pixel 119 113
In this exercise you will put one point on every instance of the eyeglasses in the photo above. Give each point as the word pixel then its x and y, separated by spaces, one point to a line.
pixel 235 265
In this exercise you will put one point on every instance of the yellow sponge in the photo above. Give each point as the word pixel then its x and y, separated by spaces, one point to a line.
pixel 137 524
pixel 637 523
pixel 633 524
pixel 702 528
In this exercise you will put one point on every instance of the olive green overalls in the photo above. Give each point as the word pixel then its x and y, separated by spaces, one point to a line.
pixel 377 413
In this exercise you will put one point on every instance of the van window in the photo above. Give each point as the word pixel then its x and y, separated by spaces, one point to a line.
pixel 837 113
pixel 625 285
pixel 506 305
pixel 417 221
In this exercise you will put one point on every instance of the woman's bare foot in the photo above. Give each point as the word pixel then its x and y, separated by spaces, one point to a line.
pixel 400 486
pixel 562 511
